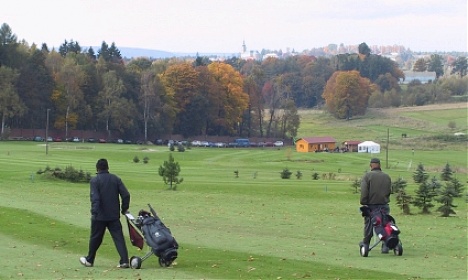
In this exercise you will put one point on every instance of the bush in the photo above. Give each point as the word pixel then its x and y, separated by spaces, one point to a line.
pixel 180 148
pixel 69 174
pixel 136 159
pixel 286 174
pixel 356 185
pixel 145 160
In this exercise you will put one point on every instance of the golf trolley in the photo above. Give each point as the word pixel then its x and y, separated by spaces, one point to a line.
pixel 148 227
pixel 385 231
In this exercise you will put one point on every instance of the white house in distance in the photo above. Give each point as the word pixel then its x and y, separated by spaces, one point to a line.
pixel 369 147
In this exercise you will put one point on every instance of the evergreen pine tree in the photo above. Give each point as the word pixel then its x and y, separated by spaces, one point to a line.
pixel 169 171
pixel 458 188
pixel 446 196
pixel 424 196
pixel 420 174
pixel 356 185
pixel 446 173
pixel 398 184
pixel 435 184
pixel 403 199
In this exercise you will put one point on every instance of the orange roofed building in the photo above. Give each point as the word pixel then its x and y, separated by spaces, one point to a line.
pixel 315 144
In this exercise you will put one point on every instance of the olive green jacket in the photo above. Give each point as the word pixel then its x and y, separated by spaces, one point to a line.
pixel 376 187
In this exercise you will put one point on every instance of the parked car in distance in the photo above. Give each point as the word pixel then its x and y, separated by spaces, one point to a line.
pixel 76 139
pixel 101 140
pixel 196 143
pixel 50 139
pixel 38 139
pixel 269 144
pixel 57 139
pixel 219 145
pixel 278 144
pixel 242 142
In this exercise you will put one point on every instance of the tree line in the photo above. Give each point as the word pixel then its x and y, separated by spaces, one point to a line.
pixel 147 98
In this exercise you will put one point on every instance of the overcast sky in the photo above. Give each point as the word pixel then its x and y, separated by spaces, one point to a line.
pixel 222 25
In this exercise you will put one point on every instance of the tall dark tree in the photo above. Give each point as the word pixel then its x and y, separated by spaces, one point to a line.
pixel 460 66
pixel 420 65
pixel 91 54
pixel 290 120
pixel 10 103
pixel 69 47
pixel 35 85
pixel 364 49
pixel 435 65
pixel 8 48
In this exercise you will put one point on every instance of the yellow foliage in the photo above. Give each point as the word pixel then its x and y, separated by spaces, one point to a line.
pixel 347 94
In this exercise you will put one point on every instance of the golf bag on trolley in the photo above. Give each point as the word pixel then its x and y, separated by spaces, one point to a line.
pixel 149 227
pixel 385 229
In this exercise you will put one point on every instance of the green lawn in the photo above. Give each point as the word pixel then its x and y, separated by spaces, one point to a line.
pixel 256 226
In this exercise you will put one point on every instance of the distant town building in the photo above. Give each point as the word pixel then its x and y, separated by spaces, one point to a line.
pixel 249 55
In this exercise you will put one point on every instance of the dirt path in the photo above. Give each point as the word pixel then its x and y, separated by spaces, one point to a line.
pixel 428 107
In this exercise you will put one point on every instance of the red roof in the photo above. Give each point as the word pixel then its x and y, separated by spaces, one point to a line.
pixel 326 139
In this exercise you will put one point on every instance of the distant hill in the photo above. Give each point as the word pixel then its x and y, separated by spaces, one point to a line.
pixel 137 52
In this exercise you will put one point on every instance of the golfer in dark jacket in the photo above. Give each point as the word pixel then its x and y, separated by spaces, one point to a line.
pixel 375 194
pixel 109 197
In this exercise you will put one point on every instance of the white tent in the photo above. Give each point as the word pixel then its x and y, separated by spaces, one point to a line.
pixel 369 147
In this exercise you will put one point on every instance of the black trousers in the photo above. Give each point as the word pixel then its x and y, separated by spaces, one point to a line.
pixel 98 229
pixel 368 224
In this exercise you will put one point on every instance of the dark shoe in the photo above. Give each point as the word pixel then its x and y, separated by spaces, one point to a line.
pixel 123 265
pixel 384 249
pixel 85 262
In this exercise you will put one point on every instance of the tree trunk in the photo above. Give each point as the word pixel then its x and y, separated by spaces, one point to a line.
pixel 3 124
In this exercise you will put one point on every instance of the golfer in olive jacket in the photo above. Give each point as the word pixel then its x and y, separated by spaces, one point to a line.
pixel 376 187
pixel 106 190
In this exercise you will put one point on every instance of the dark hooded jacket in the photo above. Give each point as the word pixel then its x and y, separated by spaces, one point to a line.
pixel 105 190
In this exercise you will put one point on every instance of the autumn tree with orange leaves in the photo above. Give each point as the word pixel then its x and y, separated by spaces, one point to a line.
pixel 232 100
pixel 347 94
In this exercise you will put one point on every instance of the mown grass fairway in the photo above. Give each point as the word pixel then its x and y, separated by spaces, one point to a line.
pixel 256 226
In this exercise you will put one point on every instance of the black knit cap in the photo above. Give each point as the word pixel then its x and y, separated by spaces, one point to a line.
pixel 375 160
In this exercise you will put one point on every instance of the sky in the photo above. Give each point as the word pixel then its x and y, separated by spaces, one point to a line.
pixel 221 26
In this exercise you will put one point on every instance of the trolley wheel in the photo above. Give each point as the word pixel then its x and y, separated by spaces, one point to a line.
pixel 398 251
pixel 135 262
pixel 364 250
